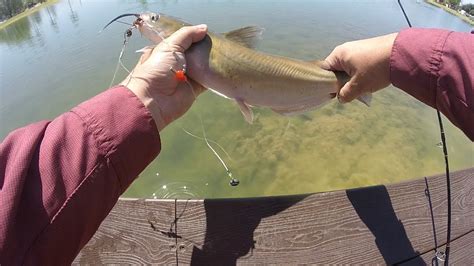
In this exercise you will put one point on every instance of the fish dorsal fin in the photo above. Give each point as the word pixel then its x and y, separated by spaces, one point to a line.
pixel 246 36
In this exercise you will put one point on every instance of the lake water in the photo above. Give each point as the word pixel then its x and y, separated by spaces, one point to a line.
pixel 55 59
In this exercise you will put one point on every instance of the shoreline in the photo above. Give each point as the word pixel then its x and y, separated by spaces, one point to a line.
pixel 451 11
pixel 26 13
pixel 30 11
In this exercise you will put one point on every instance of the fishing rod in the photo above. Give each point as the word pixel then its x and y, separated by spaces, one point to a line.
pixel 439 254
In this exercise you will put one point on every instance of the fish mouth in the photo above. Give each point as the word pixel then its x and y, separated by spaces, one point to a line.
pixel 137 21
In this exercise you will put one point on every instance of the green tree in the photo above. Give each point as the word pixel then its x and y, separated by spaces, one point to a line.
pixel 454 4
pixel 9 8
pixel 467 7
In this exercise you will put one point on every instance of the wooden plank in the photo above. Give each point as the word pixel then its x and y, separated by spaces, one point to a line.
pixel 462 252
pixel 381 224
pixel 127 236
pixel 371 225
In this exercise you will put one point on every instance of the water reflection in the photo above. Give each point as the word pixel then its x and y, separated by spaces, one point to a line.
pixel 37 26
pixel 30 29
pixel 52 17
pixel 16 33
pixel 27 30
pixel 73 14
pixel 36 17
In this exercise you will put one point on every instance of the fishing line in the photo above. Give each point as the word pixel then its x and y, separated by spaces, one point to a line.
pixel 210 140
pixel 126 36
pixel 180 76
pixel 439 254
pixel 233 181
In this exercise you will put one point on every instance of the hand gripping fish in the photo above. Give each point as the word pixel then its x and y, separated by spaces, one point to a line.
pixel 228 65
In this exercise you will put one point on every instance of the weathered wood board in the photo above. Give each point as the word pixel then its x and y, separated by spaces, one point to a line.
pixel 373 225
pixel 126 236
pixel 462 252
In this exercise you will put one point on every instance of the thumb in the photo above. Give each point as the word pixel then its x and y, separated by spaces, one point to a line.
pixel 332 62
pixel 349 91
pixel 184 37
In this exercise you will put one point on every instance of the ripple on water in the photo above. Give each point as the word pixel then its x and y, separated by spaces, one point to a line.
pixel 179 190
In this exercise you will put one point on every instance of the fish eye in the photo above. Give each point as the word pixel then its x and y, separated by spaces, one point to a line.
pixel 154 17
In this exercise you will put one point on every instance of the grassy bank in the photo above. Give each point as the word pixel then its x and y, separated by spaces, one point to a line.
pixel 26 13
pixel 451 11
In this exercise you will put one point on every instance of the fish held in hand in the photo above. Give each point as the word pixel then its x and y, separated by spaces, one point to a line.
pixel 228 65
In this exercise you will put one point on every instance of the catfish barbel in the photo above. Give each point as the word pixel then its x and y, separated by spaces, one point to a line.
pixel 228 65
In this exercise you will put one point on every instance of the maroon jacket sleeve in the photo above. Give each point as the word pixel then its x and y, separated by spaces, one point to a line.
pixel 437 68
pixel 59 179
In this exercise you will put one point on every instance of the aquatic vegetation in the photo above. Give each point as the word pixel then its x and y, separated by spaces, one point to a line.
pixel 335 147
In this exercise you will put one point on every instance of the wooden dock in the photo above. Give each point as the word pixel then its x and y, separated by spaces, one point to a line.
pixel 394 224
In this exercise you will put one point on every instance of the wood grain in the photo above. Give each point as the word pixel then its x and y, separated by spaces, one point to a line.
pixel 374 225
pixel 131 235
pixel 462 252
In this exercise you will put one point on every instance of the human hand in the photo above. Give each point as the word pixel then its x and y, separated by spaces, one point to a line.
pixel 367 62
pixel 155 84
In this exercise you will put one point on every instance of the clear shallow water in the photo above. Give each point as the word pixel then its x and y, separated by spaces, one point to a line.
pixel 54 59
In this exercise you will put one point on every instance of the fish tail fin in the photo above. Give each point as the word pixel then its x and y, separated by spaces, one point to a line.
pixel 342 79
pixel 365 99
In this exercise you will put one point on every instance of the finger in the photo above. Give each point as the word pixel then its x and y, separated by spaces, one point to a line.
pixel 349 91
pixel 329 63
pixel 333 61
pixel 186 36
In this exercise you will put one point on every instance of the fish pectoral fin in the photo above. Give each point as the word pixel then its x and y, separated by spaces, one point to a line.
pixel 365 99
pixel 247 36
pixel 246 111
pixel 144 49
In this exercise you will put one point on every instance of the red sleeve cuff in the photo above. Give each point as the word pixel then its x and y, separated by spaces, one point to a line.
pixel 124 129
pixel 415 62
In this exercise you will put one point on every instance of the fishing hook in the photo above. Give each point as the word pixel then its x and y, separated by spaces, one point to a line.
pixel 121 16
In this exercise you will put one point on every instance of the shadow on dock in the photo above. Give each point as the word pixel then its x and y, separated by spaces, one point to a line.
pixel 374 207
pixel 231 225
